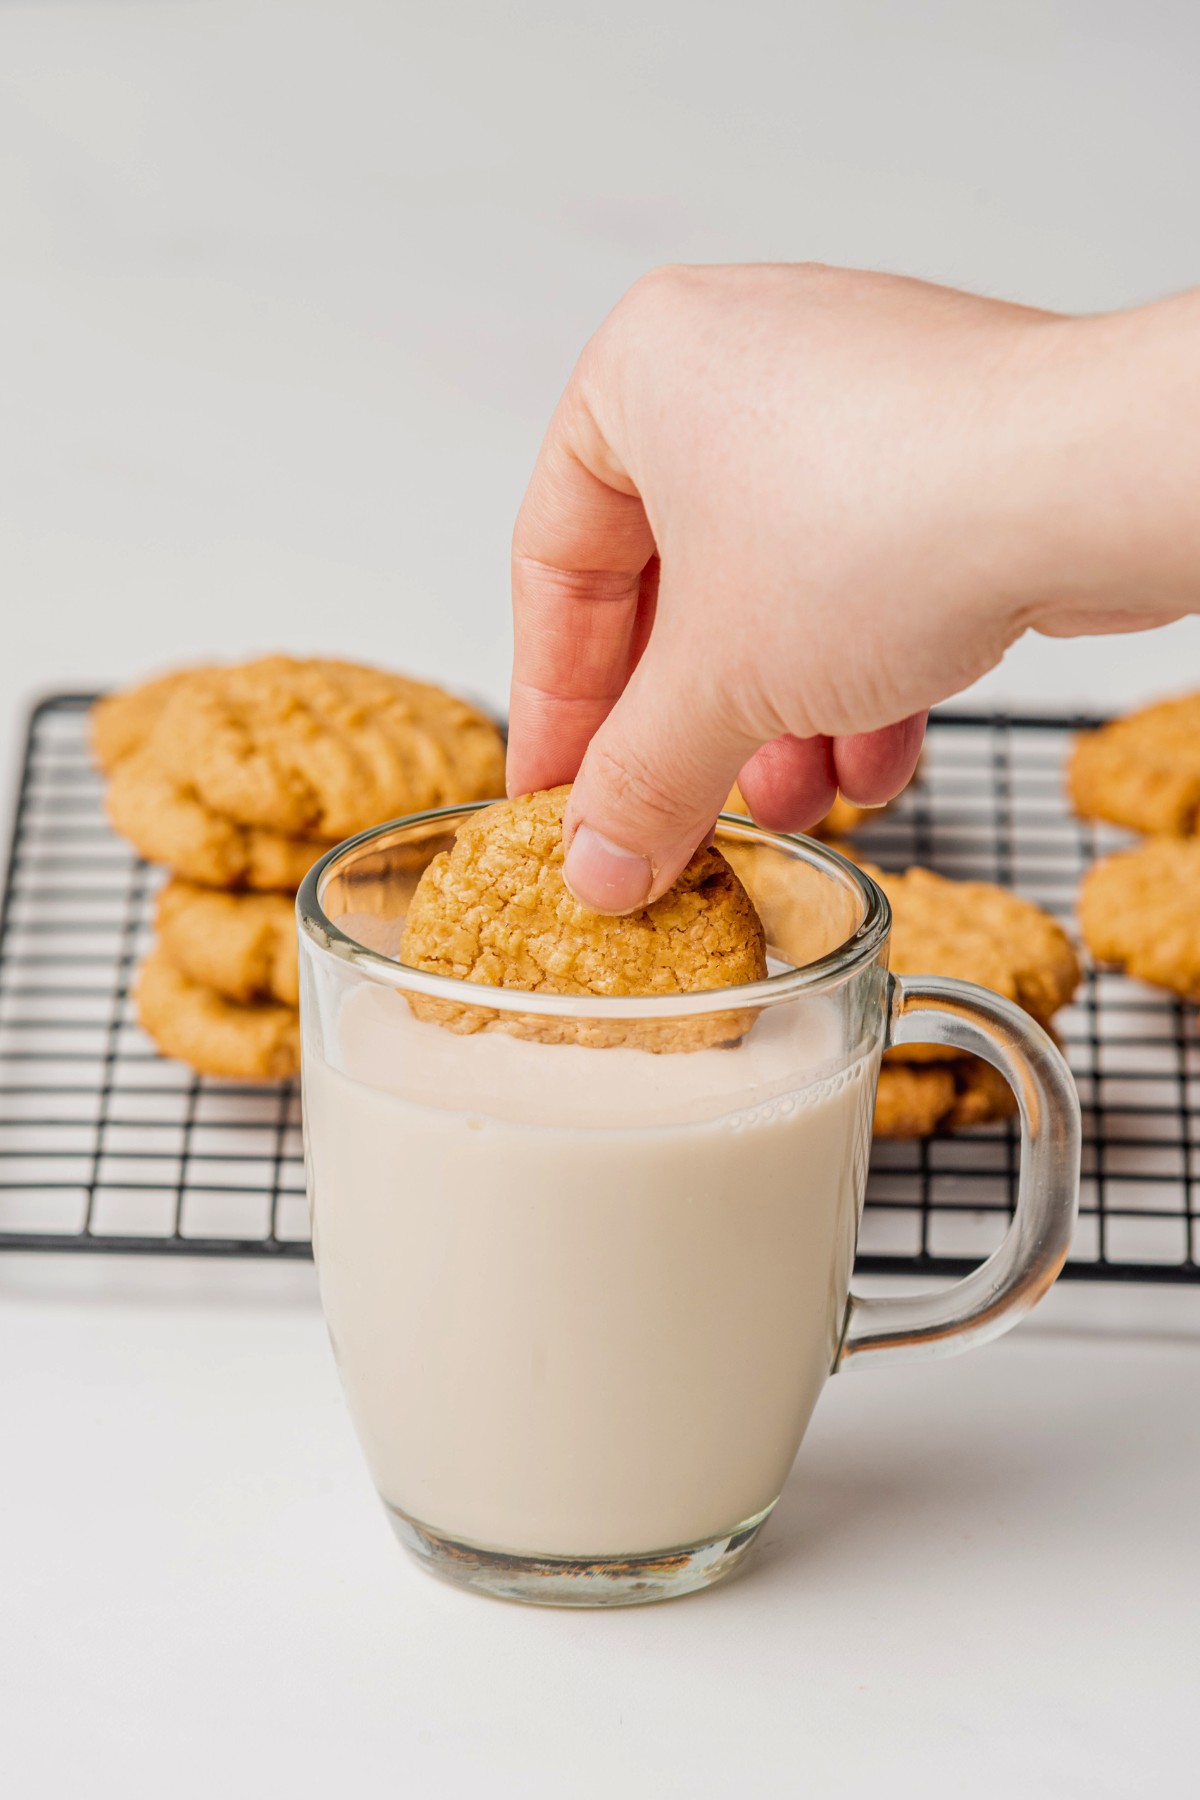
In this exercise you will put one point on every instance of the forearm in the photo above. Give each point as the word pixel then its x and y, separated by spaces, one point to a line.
pixel 1105 470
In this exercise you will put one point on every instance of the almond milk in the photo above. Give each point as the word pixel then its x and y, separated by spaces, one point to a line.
pixel 583 1301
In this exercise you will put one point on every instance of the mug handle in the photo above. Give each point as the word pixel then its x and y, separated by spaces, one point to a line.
pixel 933 1009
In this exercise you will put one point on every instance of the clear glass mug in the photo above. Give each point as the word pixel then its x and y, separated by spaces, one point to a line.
pixel 583 1292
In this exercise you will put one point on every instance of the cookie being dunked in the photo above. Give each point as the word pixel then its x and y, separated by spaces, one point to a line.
pixel 495 909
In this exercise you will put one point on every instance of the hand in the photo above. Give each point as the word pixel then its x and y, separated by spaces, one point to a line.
pixel 781 511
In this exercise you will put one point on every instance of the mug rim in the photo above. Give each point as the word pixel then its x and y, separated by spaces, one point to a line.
pixel 859 948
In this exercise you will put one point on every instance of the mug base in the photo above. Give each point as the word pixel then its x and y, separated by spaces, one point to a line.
pixel 577 1581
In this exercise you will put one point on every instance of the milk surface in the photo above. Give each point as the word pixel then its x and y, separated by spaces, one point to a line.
pixel 583 1301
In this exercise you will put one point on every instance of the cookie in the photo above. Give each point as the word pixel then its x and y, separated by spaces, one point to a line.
pixel 494 909
pixel 166 823
pixel 971 930
pixel 914 1102
pixel 241 945
pixel 968 929
pixel 975 931
pixel 1142 771
pixel 259 1042
pixel 1140 910
pixel 842 816
pixel 121 722
pixel 322 749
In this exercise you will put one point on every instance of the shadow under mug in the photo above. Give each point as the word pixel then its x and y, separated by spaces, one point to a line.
pixel 585 1261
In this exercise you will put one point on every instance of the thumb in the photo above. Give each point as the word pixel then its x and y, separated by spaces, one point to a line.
pixel 655 776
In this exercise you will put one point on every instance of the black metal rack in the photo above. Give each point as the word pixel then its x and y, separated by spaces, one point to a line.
pixel 105 1146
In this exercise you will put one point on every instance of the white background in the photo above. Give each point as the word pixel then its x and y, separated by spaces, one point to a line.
pixel 287 293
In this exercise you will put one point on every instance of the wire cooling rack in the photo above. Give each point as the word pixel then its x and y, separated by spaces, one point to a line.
pixel 105 1146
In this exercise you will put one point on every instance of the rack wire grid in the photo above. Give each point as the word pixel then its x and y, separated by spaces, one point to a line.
pixel 106 1146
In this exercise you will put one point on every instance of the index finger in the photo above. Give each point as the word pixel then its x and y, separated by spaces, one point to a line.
pixel 584 580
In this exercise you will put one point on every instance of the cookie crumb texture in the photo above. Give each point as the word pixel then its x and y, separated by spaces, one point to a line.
pixel 1140 910
pixel 495 909
pixel 1142 771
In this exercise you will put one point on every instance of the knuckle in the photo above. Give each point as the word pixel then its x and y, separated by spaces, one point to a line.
pixel 652 295
pixel 666 278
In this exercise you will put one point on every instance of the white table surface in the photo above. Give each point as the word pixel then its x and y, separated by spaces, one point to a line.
pixel 286 294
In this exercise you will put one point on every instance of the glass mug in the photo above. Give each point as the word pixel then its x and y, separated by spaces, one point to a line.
pixel 584 1294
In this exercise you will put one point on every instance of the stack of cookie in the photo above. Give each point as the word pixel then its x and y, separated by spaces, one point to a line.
pixel 237 779
pixel 1140 908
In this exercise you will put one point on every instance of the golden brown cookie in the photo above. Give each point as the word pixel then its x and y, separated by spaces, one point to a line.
pixel 259 1042
pixel 842 816
pixel 913 1102
pixel 1140 910
pixel 320 748
pixel 1142 771
pixel 971 930
pixel 494 909
pixel 167 823
pixel 242 945
pixel 121 722
pixel 976 932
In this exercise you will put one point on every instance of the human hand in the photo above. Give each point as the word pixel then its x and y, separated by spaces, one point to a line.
pixel 779 512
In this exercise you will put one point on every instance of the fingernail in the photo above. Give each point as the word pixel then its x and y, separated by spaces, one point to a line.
pixel 605 877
